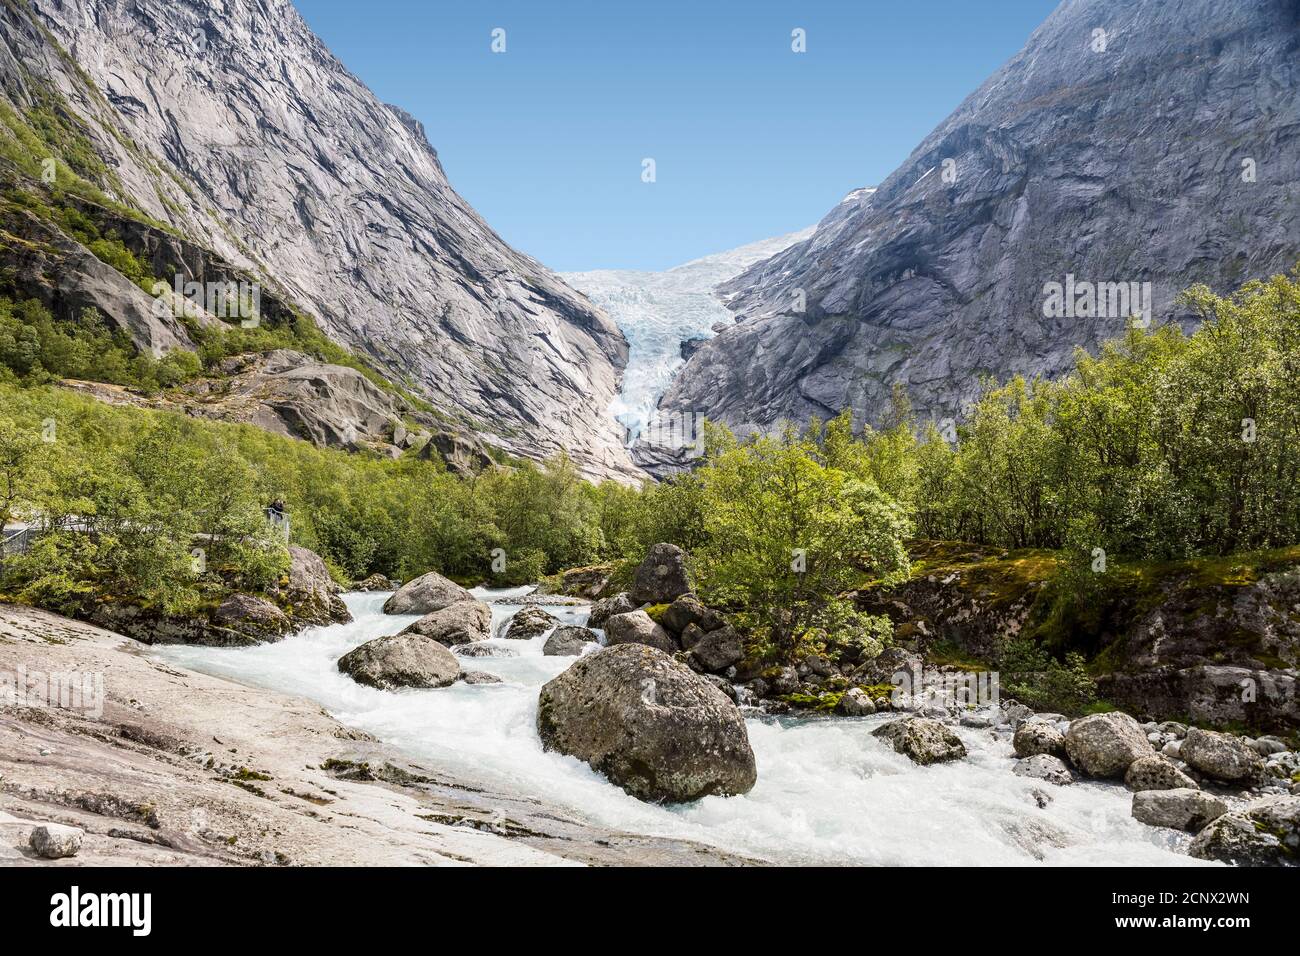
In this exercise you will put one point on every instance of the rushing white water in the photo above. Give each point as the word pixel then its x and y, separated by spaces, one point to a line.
pixel 827 792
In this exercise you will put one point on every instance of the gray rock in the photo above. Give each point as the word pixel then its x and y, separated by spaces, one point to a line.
pixel 1221 756
pixel 1235 838
pixel 568 640
pixel 311 592
pixel 1157 773
pixel 717 650
pixel 1044 767
pixel 1104 745
pixel 856 703
pixel 254 616
pixel 648 723
pixel 687 611
pixel 461 623
pixel 637 627
pixel 1034 737
pixel 1267 746
pixel 376 582
pixel 479 677
pixel 527 623
pixel 401 660
pixel 484 650
pixel 1180 808
pixel 54 841
pixel 602 611
pixel 921 739
pixel 1173 750
pixel 426 594
pixel 661 578
pixel 724 685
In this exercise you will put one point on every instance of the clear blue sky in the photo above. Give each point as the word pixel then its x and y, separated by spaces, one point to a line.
pixel 750 139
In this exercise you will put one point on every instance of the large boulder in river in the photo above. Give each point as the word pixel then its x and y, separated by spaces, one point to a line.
pixel 637 627
pixel 1264 833
pixel 1103 745
pixel 687 610
pixel 401 660
pixel 461 623
pixel 1181 808
pixel 1221 756
pixel 527 623
pixel 427 593
pixel 567 640
pixel 602 611
pixel 649 723
pixel 661 577
pixel 253 616
pixel 1035 737
pixel 921 739
pixel 310 593
pixel 1156 772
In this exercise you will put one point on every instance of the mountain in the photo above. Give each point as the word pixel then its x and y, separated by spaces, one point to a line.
pixel 665 314
pixel 1164 150
pixel 224 132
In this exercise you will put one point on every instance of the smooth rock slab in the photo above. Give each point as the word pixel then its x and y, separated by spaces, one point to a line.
pixel 1180 808
pixel 650 724
pixel 54 841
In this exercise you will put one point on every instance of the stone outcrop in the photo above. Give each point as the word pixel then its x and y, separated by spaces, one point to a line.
pixel 648 723
pixel 461 623
pixel 311 595
pixel 401 660
pixel 1104 745
pixel 255 616
pixel 922 740
pixel 427 593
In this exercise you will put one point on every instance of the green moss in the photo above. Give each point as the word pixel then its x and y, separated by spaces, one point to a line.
pixel 656 612
pixel 817 702
pixel 243 773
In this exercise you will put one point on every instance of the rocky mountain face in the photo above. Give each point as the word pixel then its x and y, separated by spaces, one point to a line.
pixel 229 124
pixel 1155 141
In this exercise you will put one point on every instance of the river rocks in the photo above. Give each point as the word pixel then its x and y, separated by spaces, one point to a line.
pixel 921 739
pixel 1267 746
pixel 254 616
pixel 687 611
pixel 376 582
pixel 1035 737
pixel 856 703
pixel 54 841
pixel 1103 745
pixel 427 593
pixel 591 582
pixel 483 650
pixel 648 723
pixel 312 595
pixel 479 677
pixel 568 640
pixel 1181 808
pixel 1156 773
pixel 602 611
pixel 1221 756
pixel 527 623
pixel 661 577
pixel 1044 767
pixel 461 623
pixel 401 660
pixel 882 668
pixel 717 650
pixel 1264 833
pixel 637 627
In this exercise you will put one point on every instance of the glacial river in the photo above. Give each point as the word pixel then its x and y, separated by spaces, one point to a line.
pixel 827 792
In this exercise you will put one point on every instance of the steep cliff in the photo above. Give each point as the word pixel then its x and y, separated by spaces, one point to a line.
pixel 1163 149
pixel 231 125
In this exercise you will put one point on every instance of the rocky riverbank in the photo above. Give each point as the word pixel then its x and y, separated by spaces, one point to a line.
pixel 172 767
